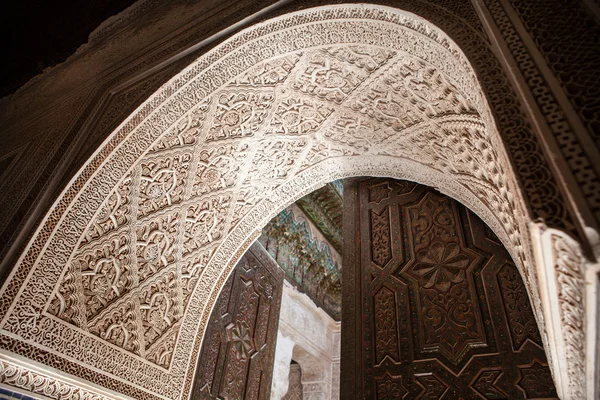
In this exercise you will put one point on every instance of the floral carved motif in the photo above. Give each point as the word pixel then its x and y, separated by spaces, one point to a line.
pixel 448 318
pixel 364 57
pixel 160 307
pixel 355 132
pixel 299 116
pixel 162 183
pixel 276 160
pixel 113 214
pixel 386 331
pixel 105 274
pixel 156 244
pixel 241 341
pixel 517 306
pixel 390 388
pixel 219 167
pixel 536 381
pixel 119 327
pixel 440 266
pixel 44 385
pixel 381 237
pixel 269 73
pixel 204 222
pixel 191 270
pixel 66 303
pixel 380 103
pixel 570 283
pixel 328 79
pixel 186 132
pixel 239 114
pixel 426 88
pixel 161 352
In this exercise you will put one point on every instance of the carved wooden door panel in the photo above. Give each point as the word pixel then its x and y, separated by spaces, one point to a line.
pixel 433 306
pixel 236 359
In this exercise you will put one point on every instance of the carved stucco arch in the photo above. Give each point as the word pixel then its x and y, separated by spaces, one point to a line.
pixel 177 193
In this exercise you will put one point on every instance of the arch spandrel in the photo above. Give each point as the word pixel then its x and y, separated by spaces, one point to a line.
pixel 152 226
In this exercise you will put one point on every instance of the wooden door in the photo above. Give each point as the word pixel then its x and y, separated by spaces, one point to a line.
pixel 432 305
pixel 236 359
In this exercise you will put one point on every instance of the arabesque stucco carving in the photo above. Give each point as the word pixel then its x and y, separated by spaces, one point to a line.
pixel 121 277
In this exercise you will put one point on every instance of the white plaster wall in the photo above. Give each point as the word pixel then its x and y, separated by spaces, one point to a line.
pixel 312 338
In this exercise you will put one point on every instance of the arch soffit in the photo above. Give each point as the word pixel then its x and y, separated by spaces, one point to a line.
pixel 131 258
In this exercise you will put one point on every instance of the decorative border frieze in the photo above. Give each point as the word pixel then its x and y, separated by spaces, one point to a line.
pixel 35 379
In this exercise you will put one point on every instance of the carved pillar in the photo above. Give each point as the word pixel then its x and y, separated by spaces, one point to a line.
pixel 570 306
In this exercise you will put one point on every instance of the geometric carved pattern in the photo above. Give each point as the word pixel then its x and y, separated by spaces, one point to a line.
pixel 380 237
pixel 386 334
pixel 162 183
pixel 134 207
pixel 448 316
pixel 518 308
pixel 536 381
pixel 156 244
pixel 486 385
pixel 378 193
pixel 438 316
pixel 390 388
pixel 557 32
pixel 236 360
pixel 239 114
pixel 433 387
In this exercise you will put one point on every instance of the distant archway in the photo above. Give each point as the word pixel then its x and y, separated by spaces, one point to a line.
pixel 121 277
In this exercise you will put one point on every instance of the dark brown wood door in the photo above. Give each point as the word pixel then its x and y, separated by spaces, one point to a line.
pixel 433 306
pixel 236 360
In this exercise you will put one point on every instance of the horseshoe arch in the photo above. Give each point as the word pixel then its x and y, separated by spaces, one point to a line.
pixel 118 283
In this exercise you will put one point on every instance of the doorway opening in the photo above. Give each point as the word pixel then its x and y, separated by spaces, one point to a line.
pixel 421 300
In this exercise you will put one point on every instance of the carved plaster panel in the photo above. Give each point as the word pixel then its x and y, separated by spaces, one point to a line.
pixel 164 216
